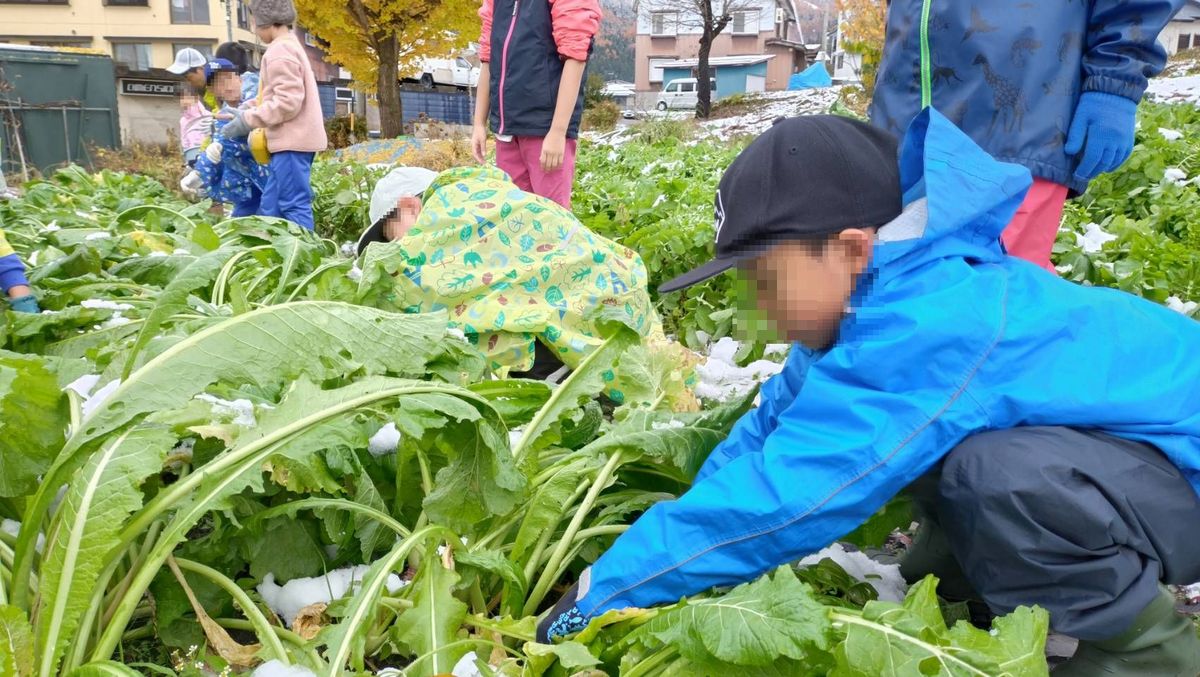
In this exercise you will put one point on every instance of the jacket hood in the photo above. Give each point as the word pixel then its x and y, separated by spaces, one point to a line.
pixel 957 198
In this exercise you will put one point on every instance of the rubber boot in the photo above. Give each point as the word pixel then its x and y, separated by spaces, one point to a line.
pixel 1161 643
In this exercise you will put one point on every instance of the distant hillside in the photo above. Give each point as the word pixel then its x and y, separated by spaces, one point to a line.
pixel 613 53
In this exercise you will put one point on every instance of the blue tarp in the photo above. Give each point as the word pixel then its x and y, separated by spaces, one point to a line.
pixel 814 76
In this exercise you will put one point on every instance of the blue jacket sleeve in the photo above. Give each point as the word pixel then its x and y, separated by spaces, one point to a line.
pixel 1123 52
pixel 842 449
pixel 751 431
pixel 12 272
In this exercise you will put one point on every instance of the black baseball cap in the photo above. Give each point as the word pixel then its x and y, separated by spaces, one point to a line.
pixel 805 176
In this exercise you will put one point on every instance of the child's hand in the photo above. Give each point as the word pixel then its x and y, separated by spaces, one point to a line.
pixel 214 152
pixel 225 116
pixel 191 185
pixel 553 148
pixel 479 143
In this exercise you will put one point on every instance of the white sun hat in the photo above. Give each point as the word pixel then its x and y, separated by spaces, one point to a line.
pixel 186 59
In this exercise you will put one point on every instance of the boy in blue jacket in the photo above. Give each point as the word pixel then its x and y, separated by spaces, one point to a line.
pixel 1058 424
pixel 1052 86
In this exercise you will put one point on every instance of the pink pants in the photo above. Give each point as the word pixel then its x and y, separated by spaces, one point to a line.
pixel 1033 230
pixel 521 159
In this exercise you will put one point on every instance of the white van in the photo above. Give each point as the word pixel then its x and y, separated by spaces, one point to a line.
pixel 681 93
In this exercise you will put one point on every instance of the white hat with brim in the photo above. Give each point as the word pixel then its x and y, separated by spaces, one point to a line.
pixel 399 183
pixel 187 59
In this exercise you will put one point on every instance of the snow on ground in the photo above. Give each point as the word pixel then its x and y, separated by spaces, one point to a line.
pixel 384 441
pixel 775 105
pixel 719 378
pixel 885 578
pixel 83 385
pixel 1175 90
pixel 274 668
pixel 1192 593
pixel 288 599
pixel 766 109
pixel 1170 134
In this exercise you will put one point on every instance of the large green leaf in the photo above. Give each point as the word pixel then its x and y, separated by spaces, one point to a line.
pixel 261 348
pixel 480 481
pixel 892 640
pixel 84 532
pixel 306 418
pixel 173 299
pixel 550 502
pixel 584 383
pixel 752 625
pixel 432 623
pixel 33 418
pixel 16 643
pixel 346 639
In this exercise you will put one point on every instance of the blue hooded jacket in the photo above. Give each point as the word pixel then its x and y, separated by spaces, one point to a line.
pixel 949 337
pixel 1010 72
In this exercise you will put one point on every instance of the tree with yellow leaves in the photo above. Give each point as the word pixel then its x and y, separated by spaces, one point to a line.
pixel 863 25
pixel 373 39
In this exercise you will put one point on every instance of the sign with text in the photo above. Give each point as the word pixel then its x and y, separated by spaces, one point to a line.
pixel 149 87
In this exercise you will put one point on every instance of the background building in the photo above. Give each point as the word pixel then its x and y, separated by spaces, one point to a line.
pixel 762 31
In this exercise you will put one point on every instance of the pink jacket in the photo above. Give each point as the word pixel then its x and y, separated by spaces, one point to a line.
pixel 291 107
pixel 573 23
pixel 191 126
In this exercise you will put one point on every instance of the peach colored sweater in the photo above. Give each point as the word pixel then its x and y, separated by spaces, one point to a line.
pixel 291 108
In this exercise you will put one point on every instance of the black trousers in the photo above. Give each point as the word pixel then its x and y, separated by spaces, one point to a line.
pixel 1081 523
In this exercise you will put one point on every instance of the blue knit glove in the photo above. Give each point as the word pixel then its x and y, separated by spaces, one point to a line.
pixel 25 304
pixel 1103 131
pixel 564 619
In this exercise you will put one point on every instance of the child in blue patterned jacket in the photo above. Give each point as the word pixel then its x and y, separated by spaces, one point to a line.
pixel 226 171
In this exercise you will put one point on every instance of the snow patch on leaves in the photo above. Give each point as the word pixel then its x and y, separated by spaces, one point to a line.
pixel 720 378
pixel 241 411
pixel 288 599
pixel 885 578
pixel 102 304
pixel 384 441
pixel 98 398
pixel 274 668
pixel 1093 240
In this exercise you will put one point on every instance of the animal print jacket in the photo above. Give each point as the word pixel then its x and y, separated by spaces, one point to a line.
pixel 1010 72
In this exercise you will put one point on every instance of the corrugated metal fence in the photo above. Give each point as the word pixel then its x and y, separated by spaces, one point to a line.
pixel 456 108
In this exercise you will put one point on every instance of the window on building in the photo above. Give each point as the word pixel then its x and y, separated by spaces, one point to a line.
pixel 656 68
pixel 744 23
pixel 664 23
pixel 189 12
pixel 243 15
pixel 311 40
pixel 202 47
pixel 133 55
pixel 1185 41
pixel 127 3
pixel 34 2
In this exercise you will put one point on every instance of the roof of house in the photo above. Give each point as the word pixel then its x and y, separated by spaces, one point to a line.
pixel 718 61
pixel 1188 13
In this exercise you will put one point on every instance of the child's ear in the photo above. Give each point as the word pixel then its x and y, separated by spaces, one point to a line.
pixel 857 247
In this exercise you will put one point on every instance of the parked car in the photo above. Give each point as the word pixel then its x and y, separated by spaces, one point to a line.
pixel 455 72
pixel 681 93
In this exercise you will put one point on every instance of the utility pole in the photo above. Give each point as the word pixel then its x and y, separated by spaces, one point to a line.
pixel 229 20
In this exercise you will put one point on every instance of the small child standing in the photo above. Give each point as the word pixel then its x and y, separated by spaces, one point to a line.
pixel 195 125
pixel 290 111
pixel 196 103
pixel 536 125
pixel 226 171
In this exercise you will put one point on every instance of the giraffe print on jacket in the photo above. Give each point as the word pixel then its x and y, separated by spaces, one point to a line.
pixel 1008 99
